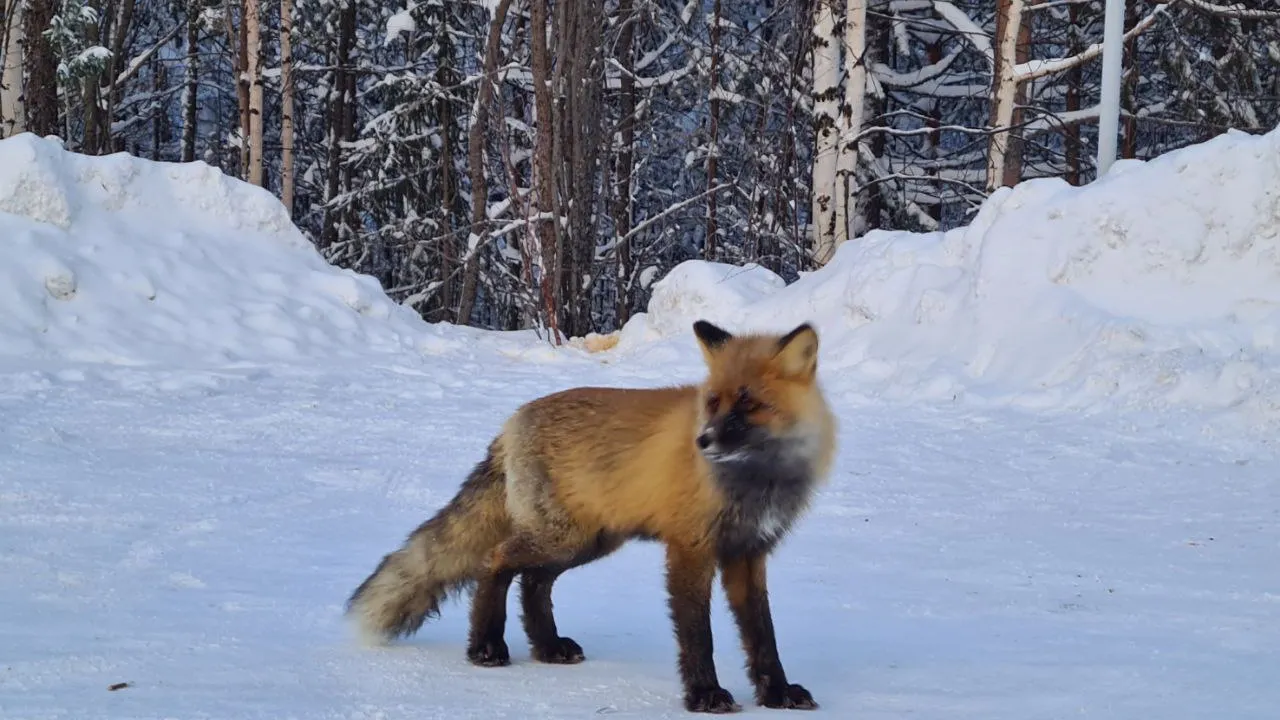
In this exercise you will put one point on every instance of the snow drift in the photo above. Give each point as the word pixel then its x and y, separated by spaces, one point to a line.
pixel 125 261
pixel 1157 286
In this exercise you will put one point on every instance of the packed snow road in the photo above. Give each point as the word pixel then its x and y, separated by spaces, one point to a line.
pixel 195 534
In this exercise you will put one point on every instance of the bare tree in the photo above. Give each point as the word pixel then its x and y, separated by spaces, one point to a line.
pixel 1004 88
pixel 543 225
pixel 476 167
pixel 624 165
pixel 40 94
pixel 713 133
pixel 286 105
pixel 253 39
pixel 339 127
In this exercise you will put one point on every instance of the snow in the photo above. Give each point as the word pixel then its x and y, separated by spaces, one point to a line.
pixel 115 260
pixel 965 25
pixel 186 500
pixel 401 22
pixel 95 53
pixel 1154 288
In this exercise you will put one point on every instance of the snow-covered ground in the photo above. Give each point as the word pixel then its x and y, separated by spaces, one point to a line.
pixel 1055 498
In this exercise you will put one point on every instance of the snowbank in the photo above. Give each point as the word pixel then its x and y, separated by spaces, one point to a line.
pixel 1156 287
pixel 126 261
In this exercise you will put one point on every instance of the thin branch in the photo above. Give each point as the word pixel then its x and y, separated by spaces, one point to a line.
pixel 657 218
pixel 1237 12
pixel 1033 69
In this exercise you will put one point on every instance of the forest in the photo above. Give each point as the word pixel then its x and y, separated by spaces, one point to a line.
pixel 539 163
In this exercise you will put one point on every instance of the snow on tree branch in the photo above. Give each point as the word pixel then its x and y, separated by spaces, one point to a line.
pixel 1033 69
pixel 958 19
pixel 1235 10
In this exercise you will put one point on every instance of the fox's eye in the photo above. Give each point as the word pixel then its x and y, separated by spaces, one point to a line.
pixel 713 402
pixel 746 402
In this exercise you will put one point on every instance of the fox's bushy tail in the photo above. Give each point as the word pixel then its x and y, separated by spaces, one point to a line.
pixel 439 558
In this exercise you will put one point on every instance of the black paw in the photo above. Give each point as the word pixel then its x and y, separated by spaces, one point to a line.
pixel 489 653
pixel 710 700
pixel 789 696
pixel 561 651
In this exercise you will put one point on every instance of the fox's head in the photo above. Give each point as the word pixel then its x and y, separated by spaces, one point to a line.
pixel 760 397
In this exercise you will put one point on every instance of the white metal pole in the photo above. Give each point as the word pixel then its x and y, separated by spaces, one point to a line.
pixel 1109 102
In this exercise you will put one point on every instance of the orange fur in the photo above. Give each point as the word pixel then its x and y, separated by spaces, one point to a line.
pixel 575 474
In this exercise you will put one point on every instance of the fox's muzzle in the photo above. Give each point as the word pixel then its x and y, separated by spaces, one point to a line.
pixel 727 433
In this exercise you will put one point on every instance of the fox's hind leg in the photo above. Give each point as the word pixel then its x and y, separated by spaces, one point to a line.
pixel 518 554
pixel 486 646
pixel 545 641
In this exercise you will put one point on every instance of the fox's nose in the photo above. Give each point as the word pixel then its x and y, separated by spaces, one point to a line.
pixel 704 439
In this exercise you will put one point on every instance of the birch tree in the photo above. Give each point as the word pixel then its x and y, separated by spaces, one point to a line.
pixel 13 112
pixel 286 105
pixel 512 164
pixel 253 54
pixel 826 129
pixel 851 118
pixel 1004 88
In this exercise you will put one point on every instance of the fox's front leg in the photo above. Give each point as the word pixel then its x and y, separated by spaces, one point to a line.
pixel 689 575
pixel 748 595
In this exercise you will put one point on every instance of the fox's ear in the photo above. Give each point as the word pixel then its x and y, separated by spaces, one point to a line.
pixel 797 354
pixel 710 337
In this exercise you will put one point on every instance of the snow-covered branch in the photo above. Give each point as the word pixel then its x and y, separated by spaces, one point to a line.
pixel 641 227
pixel 1033 69
pixel 965 25
pixel 888 76
pixel 1236 11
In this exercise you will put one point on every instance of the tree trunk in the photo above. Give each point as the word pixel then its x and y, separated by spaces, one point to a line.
pixel 191 100
pixel 932 142
pixel 13 113
pixel 286 105
pixel 713 132
pixel 622 207
pixel 872 208
pixel 337 120
pixel 89 84
pixel 239 63
pixel 1129 89
pixel 577 82
pixel 826 89
pixel 476 167
pixel 447 76
pixel 544 229
pixel 158 121
pixel 1004 88
pixel 1074 80
pixel 851 118
pixel 1016 147
pixel 253 41
pixel 119 64
pixel 41 92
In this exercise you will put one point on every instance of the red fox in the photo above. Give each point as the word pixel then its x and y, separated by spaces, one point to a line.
pixel 717 472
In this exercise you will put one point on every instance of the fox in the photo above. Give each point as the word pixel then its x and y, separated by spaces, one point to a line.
pixel 718 471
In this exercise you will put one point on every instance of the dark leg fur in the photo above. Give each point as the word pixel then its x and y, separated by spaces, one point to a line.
pixel 539 621
pixel 689 576
pixel 747 591
pixel 535 596
pixel 486 646
pixel 519 554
